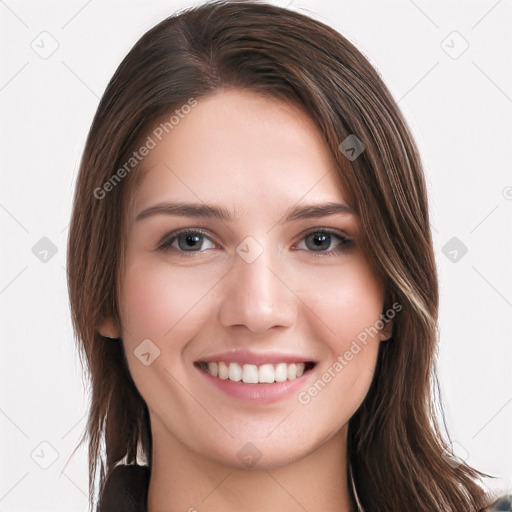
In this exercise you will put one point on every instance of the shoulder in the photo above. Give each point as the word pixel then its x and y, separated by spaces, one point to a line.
pixel 125 489
pixel 501 504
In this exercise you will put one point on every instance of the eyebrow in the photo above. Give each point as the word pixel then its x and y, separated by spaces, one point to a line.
pixel 309 211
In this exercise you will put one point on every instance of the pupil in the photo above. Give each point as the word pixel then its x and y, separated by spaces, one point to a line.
pixel 190 240
pixel 323 240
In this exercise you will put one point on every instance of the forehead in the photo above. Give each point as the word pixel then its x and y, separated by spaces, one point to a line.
pixel 240 148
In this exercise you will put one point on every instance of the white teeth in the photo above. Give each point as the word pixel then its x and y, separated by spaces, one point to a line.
pixel 266 373
pixel 213 368
pixel 235 372
pixel 280 372
pixel 223 371
pixel 253 374
pixel 250 374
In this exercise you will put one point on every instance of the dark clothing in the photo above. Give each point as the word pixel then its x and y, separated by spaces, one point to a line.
pixel 126 490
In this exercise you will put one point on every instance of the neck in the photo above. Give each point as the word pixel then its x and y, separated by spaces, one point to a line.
pixel 182 480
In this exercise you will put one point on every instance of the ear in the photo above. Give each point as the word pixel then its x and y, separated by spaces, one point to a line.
pixel 387 331
pixel 109 329
pixel 391 307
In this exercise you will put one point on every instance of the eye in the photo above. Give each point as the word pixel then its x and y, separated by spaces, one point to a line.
pixel 186 241
pixel 321 239
pixel 193 240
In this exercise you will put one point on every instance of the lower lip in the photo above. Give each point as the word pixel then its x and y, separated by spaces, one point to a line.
pixel 258 393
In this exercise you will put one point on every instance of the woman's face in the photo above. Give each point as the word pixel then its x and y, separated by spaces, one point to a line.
pixel 247 334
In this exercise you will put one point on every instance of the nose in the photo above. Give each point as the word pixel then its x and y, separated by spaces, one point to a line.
pixel 257 295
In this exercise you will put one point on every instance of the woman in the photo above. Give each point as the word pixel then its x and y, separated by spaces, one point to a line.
pixel 252 278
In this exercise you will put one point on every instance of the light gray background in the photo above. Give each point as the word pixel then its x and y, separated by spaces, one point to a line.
pixel 459 106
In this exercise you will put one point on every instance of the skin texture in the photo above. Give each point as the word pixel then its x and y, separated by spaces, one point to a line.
pixel 257 157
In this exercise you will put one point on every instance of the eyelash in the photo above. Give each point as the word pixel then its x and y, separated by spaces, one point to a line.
pixel 165 244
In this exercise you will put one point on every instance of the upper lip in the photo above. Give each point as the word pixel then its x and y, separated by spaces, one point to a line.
pixel 257 358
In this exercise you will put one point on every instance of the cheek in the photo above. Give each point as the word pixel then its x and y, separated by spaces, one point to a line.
pixel 161 303
pixel 346 314
pixel 347 301
pixel 166 306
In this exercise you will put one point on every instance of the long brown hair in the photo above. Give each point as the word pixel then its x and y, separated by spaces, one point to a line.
pixel 396 449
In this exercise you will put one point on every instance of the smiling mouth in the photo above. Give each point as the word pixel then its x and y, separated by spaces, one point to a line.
pixel 255 374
